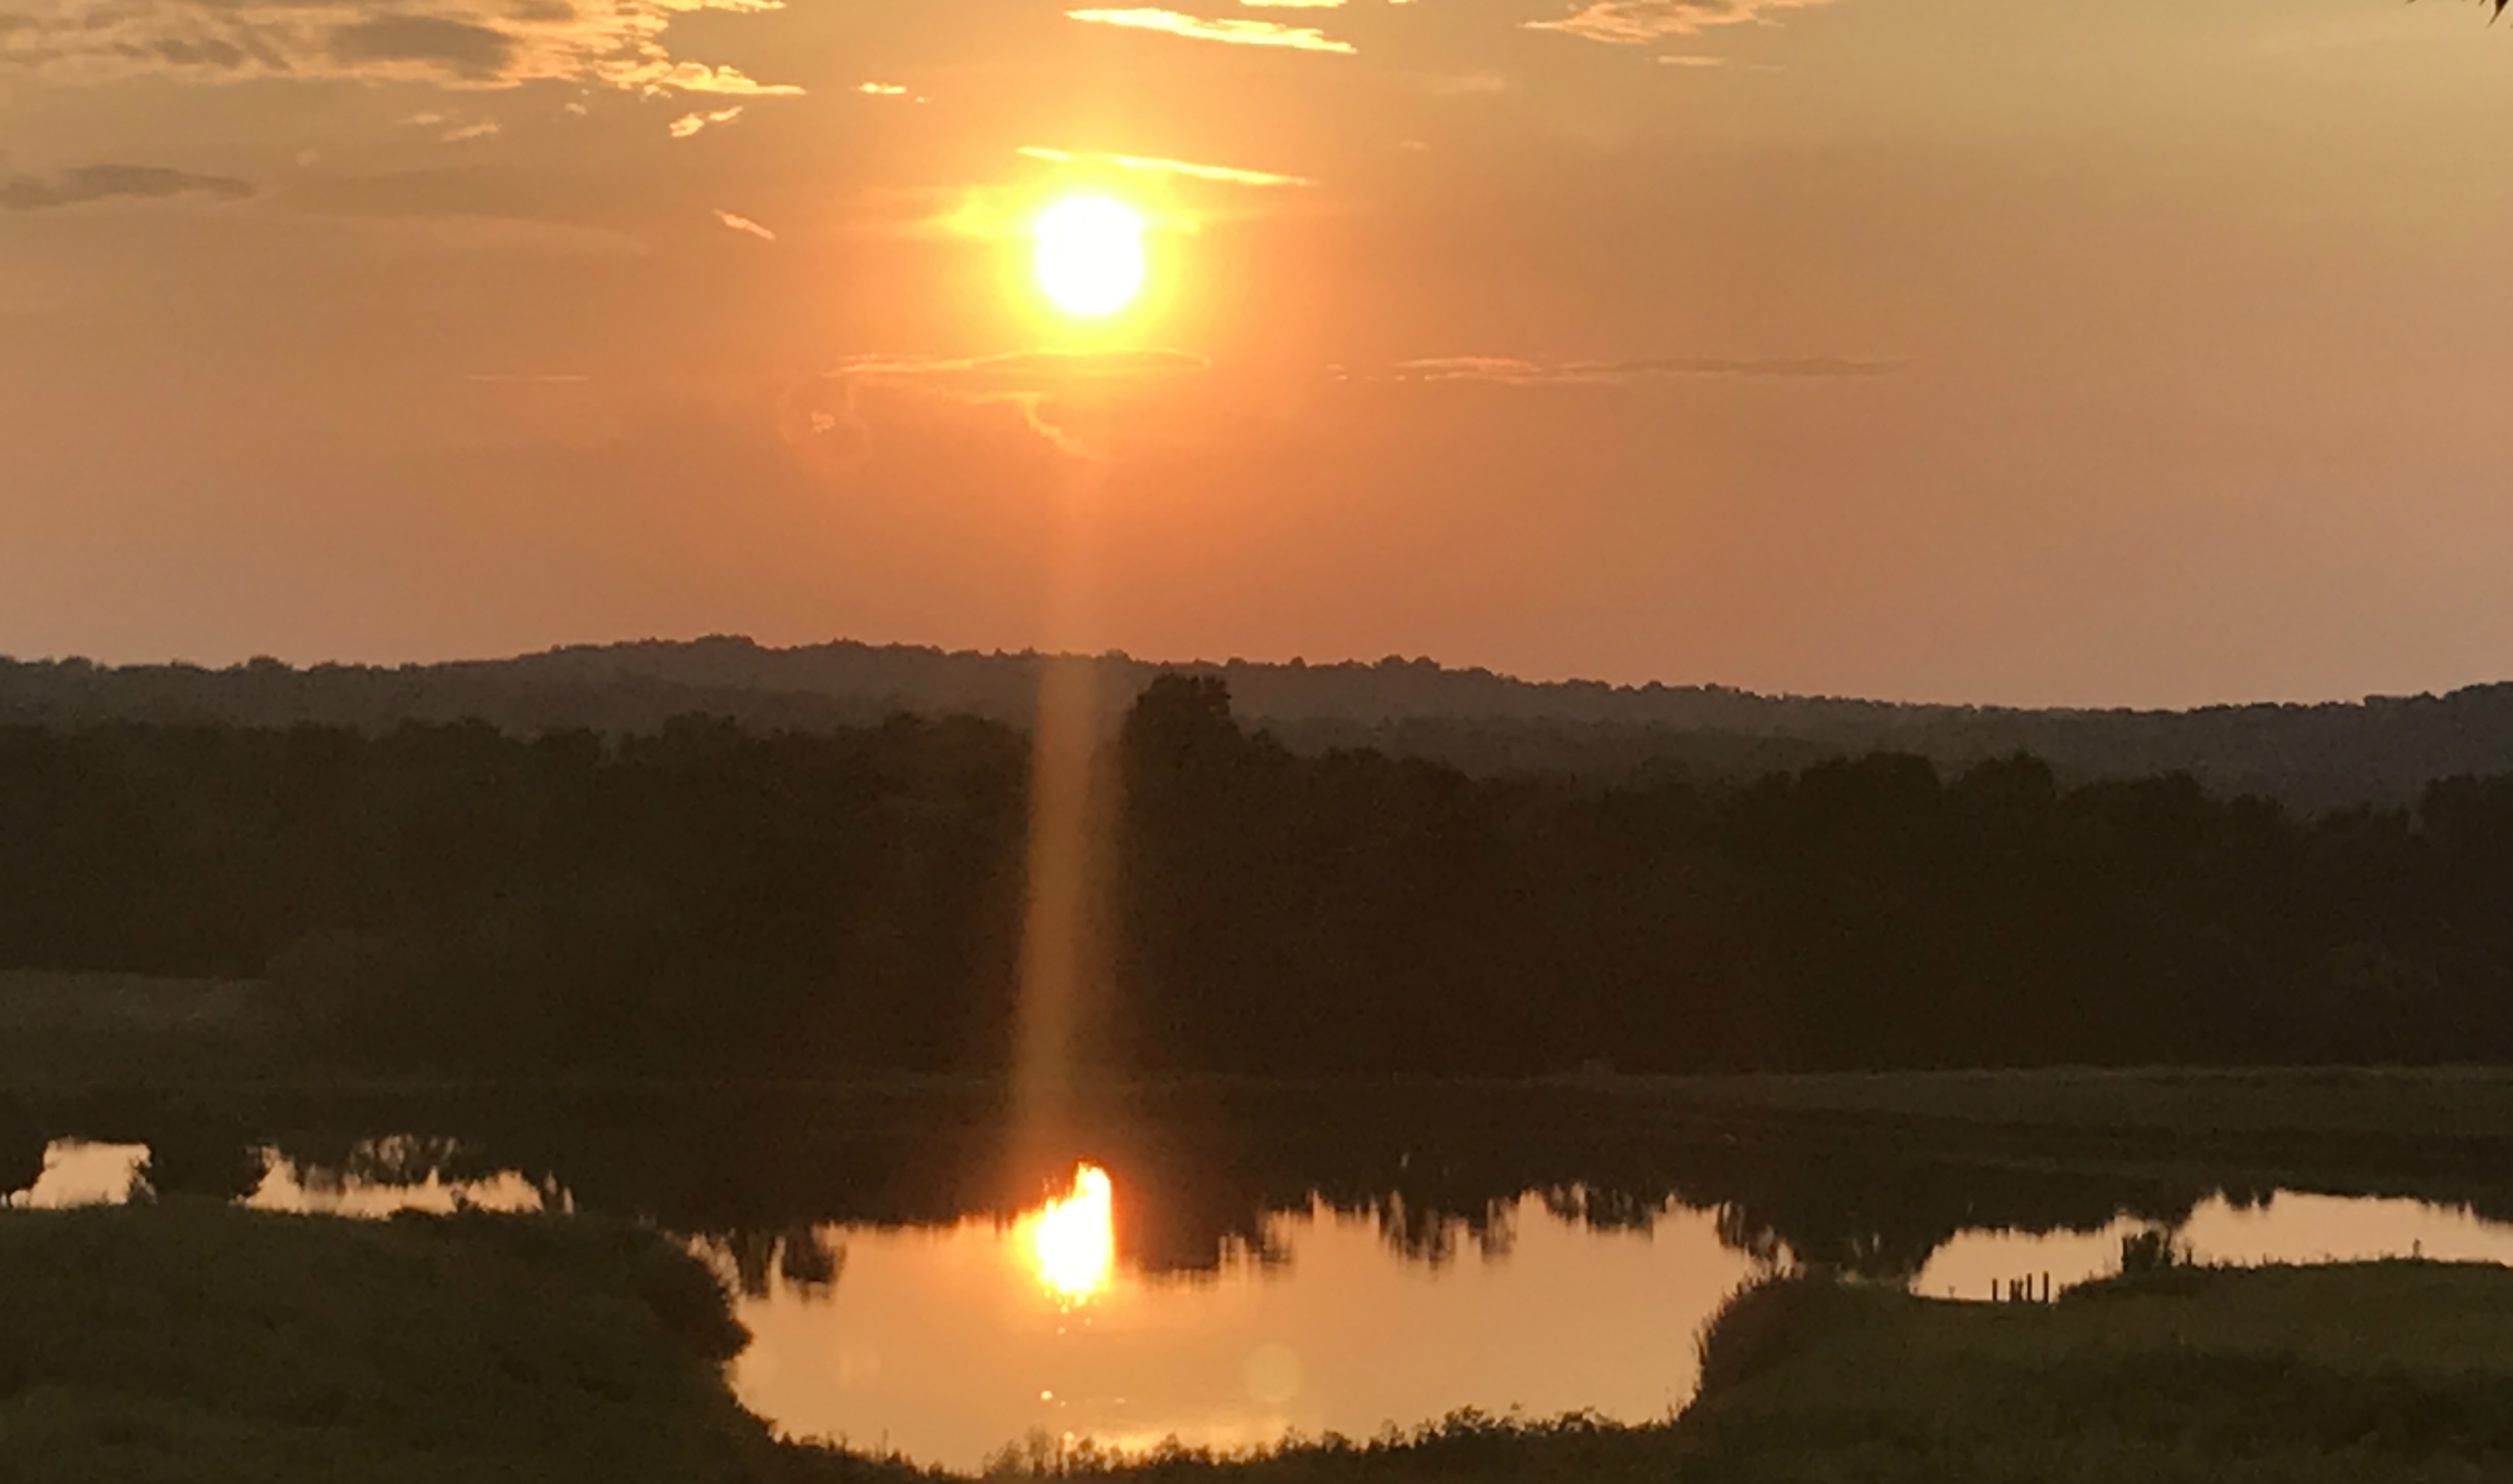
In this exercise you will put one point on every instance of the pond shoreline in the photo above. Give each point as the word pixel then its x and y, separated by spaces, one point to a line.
pixel 188 1341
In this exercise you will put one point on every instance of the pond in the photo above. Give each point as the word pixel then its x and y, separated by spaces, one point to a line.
pixel 1199 1282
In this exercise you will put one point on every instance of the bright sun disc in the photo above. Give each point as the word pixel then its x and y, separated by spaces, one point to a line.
pixel 1090 258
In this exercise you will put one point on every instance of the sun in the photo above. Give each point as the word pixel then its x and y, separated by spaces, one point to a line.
pixel 1089 255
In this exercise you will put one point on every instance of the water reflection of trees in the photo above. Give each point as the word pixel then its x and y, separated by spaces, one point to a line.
pixel 214 1158
pixel 23 1142
pixel 1209 1180
pixel 801 1258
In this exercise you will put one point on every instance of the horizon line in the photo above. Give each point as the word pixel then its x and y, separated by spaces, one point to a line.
pixel 2368 701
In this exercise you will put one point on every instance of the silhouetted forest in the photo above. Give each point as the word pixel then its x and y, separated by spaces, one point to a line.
pixel 2382 750
pixel 709 899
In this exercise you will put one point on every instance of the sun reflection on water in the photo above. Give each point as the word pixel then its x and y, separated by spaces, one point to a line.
pixel 1071 1241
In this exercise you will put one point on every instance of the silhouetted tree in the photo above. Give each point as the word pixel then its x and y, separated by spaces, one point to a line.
pixel 706 899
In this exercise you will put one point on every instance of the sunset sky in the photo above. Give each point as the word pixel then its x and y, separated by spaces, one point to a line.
pixel 2149 352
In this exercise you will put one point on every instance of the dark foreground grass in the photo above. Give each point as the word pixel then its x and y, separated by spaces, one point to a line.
pixel 196 1344
pixel 2375 1372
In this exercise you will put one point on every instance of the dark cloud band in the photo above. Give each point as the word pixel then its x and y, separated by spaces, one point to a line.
pixel 106 182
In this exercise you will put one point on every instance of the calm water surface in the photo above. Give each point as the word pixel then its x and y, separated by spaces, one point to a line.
pixel 948 1342
pixel 949 1339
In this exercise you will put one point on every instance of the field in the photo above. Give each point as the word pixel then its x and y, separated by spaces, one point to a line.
pixel 79 1030
pixel 2423 1103
pixel 72 1030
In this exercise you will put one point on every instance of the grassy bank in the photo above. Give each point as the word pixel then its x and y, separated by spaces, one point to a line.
pixel 2365 1372
pixel 200 1344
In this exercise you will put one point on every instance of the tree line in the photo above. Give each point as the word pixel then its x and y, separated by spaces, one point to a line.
pixel 2383 749
pixel 709 899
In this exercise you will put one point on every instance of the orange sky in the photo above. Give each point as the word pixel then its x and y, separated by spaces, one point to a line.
pixel 2151 352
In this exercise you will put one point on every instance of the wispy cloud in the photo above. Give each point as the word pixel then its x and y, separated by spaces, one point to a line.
pixel 1517 371
pixel 1699 61
pixel 665 76
pixel 1638 22
pixel 744 224
pixel 882 89
pixel 1021 366
pixel 467 49
pixel 1152 165
pixel 451 43
pixel 1024 381
pixel 451 129
pixel 1234 30
pixel 689 124
pixel 105 183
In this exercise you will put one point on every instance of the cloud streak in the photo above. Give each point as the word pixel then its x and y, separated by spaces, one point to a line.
pixel 1153 165
pixel 689 124
pixel 1233 30
pixel 1024 381
pixel 744 224
pixel 469 50
pixel 1515 370
pixel 106 182
pixel 452 43
pixel 1638 22
pixel 1023 368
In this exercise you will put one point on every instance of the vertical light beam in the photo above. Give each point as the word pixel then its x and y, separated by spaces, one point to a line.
pixel 1062 956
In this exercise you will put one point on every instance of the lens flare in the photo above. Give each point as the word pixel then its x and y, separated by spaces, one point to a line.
pixel 1072 1240
pixel 1089 255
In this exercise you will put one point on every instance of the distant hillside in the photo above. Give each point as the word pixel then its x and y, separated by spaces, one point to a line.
pixel 2382 749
